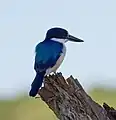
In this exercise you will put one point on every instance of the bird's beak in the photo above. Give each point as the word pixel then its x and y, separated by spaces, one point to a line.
pixel 74 39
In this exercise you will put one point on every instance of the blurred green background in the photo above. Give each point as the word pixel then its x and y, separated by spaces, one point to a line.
pixel 25 108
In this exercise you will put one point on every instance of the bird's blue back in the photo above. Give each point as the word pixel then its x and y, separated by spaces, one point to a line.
pixel 47 53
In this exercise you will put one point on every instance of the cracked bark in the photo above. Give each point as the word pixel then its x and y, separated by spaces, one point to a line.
pixel 68 100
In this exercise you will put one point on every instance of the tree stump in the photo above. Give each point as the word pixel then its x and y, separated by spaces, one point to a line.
pixel 68 100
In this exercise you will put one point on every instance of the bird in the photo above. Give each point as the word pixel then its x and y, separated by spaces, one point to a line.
pixel 49 54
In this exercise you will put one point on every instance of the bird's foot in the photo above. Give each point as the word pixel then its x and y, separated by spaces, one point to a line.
pixel 52 73
pixel 55 73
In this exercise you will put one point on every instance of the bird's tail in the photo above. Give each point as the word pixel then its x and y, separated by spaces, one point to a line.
pixel 36 84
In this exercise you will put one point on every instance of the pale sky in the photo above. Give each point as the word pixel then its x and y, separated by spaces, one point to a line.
pixel 23 23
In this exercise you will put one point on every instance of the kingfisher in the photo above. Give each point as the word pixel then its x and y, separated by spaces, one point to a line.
pixel 49 55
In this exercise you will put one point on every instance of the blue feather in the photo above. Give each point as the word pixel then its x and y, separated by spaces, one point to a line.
pixel 36 84
pixel 47 54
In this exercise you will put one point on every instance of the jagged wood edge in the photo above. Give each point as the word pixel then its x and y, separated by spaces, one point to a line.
pixel 51 96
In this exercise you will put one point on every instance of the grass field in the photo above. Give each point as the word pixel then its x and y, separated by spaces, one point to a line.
pixel 25 108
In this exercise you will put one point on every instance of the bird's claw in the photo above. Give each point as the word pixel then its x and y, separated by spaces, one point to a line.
pixel 55 73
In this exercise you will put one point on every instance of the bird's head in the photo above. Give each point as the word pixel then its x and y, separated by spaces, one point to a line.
pixel 61 35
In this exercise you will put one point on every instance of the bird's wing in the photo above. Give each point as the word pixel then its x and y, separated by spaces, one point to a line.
pixel 47 53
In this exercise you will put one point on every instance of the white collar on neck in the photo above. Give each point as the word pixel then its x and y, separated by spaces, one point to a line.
pixel 59 40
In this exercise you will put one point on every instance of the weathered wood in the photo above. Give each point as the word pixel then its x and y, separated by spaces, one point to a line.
pixel 111 112
pixel 68 100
